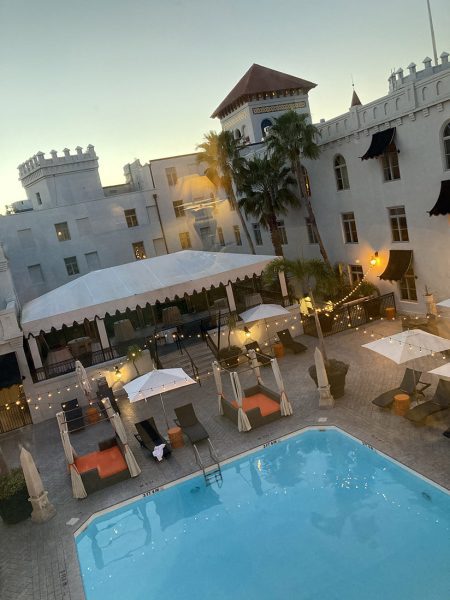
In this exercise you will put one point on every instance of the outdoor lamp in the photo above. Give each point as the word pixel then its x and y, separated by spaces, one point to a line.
pixel 247 332
pixel 117 373
pixel 374 260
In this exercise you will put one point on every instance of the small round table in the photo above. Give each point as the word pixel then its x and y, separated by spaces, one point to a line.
pixel 175 437
pixel 401 404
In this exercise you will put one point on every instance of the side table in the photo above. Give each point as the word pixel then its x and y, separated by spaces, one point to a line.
pixel 401 404
pixel 176 437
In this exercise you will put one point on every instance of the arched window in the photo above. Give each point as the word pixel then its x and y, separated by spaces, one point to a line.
pixel 446 140
pixel 397 103
pixel 237 134
pixel 264 124
pixel 424 93
pixel 386 106
pixel 340 172
pixel 375 112
pixel 306 181
pixel 389 159
pixel 438 88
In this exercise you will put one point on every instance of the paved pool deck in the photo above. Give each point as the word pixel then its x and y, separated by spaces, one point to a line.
pixel 39 562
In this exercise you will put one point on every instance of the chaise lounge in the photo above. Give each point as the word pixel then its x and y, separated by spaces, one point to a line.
pixel 409 385
pixel 149 437
pixel 289 343
pixel 440 401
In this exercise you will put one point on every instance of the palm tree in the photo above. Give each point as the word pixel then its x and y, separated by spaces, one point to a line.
pixel 265 184
pixel 292 138
pixel 224 165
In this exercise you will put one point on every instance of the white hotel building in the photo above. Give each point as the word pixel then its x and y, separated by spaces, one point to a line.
pixel 383 167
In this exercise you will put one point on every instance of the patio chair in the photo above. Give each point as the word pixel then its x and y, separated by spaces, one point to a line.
pixel 409 385
pixel 263 358
pixel 440 401
pixel 447 433
pixel 149 437
pixel 289 343
pixel 194 430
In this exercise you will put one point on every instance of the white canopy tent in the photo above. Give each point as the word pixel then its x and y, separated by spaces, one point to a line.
pixel 136 284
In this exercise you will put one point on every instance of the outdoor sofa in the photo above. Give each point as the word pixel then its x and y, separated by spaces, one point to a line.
pixel 104 467
pixel 260 404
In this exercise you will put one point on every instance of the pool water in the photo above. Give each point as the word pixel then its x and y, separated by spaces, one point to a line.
pixel 316 516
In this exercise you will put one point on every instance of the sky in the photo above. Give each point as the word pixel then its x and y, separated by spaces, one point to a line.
pixel 140 79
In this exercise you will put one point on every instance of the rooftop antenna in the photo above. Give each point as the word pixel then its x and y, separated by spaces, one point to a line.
pixel 433 40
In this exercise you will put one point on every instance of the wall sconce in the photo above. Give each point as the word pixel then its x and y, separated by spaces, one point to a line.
pixel 117 373
pixel 247 332
pixel 375 260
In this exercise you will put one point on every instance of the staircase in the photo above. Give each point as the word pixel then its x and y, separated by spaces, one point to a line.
pixel 197 354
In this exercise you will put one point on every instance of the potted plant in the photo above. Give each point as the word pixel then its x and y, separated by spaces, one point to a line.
pixel 14 503
pixel 230 356
pixel 336 372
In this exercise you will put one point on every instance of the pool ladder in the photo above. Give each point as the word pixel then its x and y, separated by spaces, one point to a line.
pixel 214 475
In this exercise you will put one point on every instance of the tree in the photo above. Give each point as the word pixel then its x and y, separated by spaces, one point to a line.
pixel 265 184
pixel 292 137
pixel 224 165
pixel 313 275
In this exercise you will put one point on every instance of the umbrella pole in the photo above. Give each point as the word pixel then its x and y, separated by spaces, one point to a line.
pixel 164 411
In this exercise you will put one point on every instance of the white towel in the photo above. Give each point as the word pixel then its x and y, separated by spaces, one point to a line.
pixel 159 451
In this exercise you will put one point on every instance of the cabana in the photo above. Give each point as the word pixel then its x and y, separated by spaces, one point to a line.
pixel 91 297
pixel 113 462
pixel 256 405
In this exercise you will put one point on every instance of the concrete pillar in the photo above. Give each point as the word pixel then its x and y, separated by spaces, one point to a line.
pixel 283 287
pixel 230 297
pixel 35 354
pixel 104 341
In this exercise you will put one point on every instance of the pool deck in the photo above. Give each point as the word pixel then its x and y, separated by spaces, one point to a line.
pixel 39 562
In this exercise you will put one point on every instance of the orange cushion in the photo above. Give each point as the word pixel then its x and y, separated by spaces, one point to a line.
pixel 107 462
pixel 266 405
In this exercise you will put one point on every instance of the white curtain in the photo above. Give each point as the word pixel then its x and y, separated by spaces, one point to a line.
pixel 218 380
pixel 255 366
pixel 116 422
pixel 78 488
pixel 285 405
pixel 243 422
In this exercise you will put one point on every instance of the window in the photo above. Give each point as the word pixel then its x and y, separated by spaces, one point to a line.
pixel 446 140
pixel 25 238
pixel 35 273
pixel 340 172
pixel 407 286
pixel 130 217
pixel 185 240
pixel 399 227
pixel 312 237
pixel 349 225
pixel 237 235
pixel 71 265
pixel 389 160
pixel 62 232
pixel 139 250
pixel 38 198
pixel 356 274
pixel 178 208
pixel 84 226
pixel 92 261
pixel 220 236
pixel 306 182
pixel 206 236
pixel 282 231
pixel 171 174
pixel 257 234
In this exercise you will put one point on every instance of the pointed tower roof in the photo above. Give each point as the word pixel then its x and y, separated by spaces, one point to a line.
pixel 355 99
pixel 260 80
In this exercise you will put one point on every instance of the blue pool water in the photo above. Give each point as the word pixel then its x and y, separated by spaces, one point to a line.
pixel 317 516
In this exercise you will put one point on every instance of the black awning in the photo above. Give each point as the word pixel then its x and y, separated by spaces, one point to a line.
pixel 442 206
pixel 380 141
pixel 398 263
pixel 9 370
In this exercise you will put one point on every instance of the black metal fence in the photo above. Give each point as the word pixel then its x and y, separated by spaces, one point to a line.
pixel 14 416
pixel 351 315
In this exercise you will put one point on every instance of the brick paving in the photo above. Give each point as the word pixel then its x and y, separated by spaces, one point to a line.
pixel 39 562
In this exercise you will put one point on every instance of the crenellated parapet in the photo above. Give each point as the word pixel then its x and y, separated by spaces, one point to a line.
pixel 39 165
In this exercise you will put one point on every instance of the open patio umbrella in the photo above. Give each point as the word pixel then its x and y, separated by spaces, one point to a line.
pixel 444 303
pixel 408 345
pixel 443 372
pixel 157 382
pixel 263 312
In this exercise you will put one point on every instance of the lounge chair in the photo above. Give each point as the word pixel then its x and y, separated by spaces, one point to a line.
pixel 149 437
pixel 409 385
pixel 447 433
pixel 289 343
pixel 440 401
pixel 194 430
pixel 263 358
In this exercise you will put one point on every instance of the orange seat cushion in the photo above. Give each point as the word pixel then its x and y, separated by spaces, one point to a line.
pixel 266 405
pixel 107 462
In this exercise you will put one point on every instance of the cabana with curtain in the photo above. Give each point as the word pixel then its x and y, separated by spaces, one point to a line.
pixel 113 462
pixel 256 405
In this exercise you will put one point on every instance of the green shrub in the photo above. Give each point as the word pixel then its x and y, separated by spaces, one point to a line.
pixel 11 483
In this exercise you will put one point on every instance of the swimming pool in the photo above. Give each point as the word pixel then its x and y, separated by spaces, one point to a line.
pixel 317 515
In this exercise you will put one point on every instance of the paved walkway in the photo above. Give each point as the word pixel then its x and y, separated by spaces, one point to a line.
pixel 39 562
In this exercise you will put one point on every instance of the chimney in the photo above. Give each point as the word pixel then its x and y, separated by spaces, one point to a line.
pixel 412 70
pixel 399 74
pixel 427 62
pixel 79 150
pixel 444 58
pixel 66 152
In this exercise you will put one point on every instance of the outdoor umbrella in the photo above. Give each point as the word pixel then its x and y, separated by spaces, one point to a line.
pixel 443 371
pixel 157 382
pixel 42 509
pixel 325 397
pixel 264 312
pixel 83 379
pixel 408 345
pixel 444 303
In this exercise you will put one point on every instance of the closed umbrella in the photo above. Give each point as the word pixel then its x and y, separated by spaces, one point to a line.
pixel 116 422
pixel 218 381
pixel 323 385
pixel 83 379
pixel 42 509
pixel 157 382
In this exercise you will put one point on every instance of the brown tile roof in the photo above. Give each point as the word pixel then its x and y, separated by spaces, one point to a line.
pixel 259 80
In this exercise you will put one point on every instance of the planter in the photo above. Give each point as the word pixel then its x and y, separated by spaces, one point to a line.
pixel 14 503
pixel 230 356
pixel 336 372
